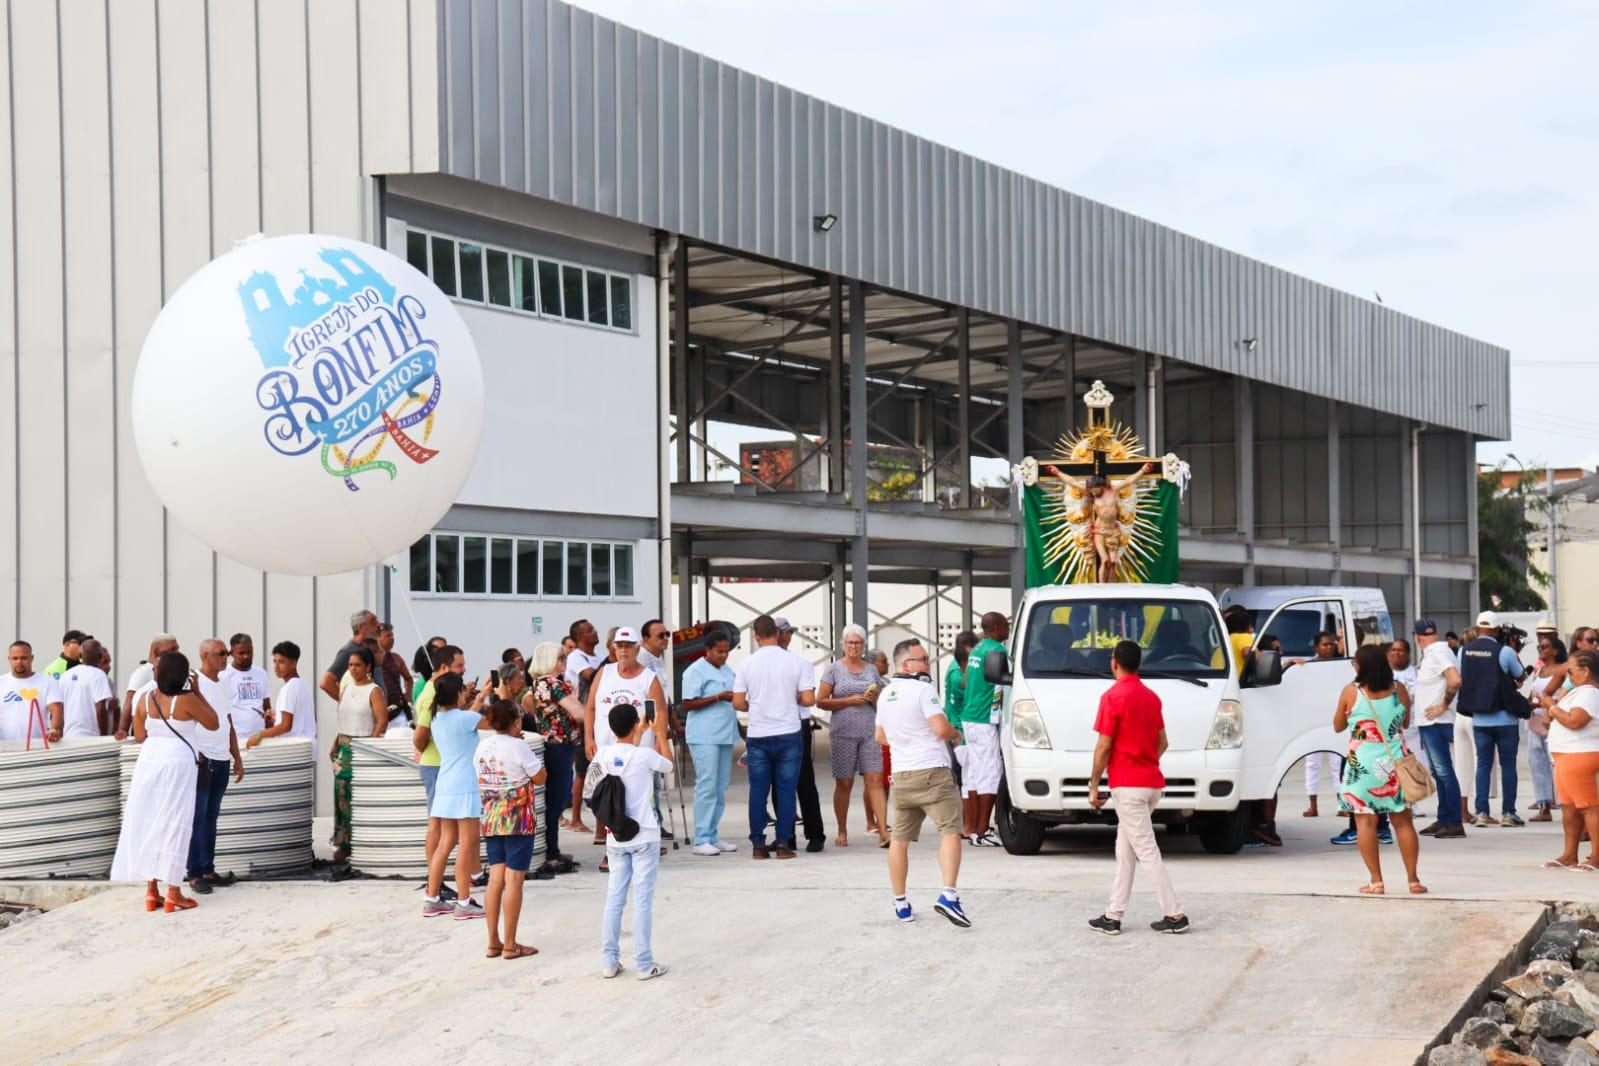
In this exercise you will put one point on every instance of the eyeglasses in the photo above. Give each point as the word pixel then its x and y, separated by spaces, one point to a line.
pixel 915 659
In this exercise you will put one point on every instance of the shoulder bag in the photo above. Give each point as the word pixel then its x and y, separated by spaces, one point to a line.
pixel 1415 784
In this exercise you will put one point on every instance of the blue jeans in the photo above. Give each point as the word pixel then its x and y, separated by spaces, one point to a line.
pixel 774 765
pixel 558 760
pixel 1437 740
pixel 634 864
pixel 211 784
pixel 1505 739
pixel 1543 771
pixel 713 771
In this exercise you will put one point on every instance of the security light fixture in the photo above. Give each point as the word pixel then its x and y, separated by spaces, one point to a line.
pixel 1248 344
pixel 824 222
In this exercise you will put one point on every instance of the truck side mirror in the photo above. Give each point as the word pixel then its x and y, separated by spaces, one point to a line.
pixel 996 668
pixel 1265 669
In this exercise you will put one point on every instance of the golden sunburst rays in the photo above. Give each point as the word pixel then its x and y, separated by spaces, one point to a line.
pixel 1066 524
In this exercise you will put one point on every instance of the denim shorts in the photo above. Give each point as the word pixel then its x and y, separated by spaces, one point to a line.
pixel 430 780
pixel 515 852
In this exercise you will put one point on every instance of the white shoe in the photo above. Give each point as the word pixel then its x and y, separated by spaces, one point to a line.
pixel 706 849
pixel 611 970
pixel 722 845
pixel 656 970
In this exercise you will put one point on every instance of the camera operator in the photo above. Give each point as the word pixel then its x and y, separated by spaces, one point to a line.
pixel 1489 671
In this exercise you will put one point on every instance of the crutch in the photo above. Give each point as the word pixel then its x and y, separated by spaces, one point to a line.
pixel 677 774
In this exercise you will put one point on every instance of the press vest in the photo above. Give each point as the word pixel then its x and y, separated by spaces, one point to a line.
pixel 1479 678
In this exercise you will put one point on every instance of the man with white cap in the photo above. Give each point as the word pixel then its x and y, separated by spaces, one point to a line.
pixel 625 681
pixel 1437 681
pixel 810 804
pixel 1487 665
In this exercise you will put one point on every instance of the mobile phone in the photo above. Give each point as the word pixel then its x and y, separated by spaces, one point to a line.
pixel 649 712
pixel 494 679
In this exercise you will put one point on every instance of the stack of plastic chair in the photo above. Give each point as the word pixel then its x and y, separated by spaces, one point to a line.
pixel 60 812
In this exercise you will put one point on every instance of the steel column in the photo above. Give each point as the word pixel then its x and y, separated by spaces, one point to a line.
pixel 963 418
pixel 835 384
pixel 1015 449
pixel 1069 372
pixel 685 583
pixel 967 622
pixel 1244 408
pixel 1141 399
pixel 1474 596
pixel 840 607
pixel 1335 509
pixel 680 339
pixel 859 572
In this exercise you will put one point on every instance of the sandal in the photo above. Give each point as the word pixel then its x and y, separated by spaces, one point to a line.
pixel 182 903
pixel 1375 888
pixel 1556 864
pixel 152 901
pixel 1584 867
pixel 605 865
pixel 562 865
pixel 520 951
pixel 494 951
pixel 1417 888
pixel 541 873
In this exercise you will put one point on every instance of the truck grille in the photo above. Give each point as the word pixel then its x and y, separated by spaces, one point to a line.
pixel 1076 788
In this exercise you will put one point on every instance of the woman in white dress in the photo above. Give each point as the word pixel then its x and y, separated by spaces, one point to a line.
pixel 159 817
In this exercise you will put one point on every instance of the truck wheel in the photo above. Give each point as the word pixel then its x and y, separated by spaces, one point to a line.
pixel 1021 833
pixel 1223 834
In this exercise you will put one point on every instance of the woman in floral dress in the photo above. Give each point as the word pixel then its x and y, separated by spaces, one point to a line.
pixel 550 709
pixel 1374 711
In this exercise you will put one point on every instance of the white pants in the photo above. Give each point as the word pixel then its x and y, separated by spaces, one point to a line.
pixel 1313 765
pixel 1135 847
pixel 981 771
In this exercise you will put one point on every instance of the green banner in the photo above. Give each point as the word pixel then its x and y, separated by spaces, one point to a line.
pixel 1151 552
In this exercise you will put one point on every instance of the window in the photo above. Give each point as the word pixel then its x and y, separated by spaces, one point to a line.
pixel 501 277
pixel 482 565
pixel 443 265
pixel 1068 638
pixel 499 267
pixel 1296 625
pixel 598 290
pixel 472 272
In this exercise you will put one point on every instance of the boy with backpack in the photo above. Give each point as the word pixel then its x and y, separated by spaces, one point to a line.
pixel 623 802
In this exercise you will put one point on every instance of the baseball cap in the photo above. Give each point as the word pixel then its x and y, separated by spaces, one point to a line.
pixel 1424 627
pixel 625 635
pixel 1545 625
pixel 783 624
pixel 1487 620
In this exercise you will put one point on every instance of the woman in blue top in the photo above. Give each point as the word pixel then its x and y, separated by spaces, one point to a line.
pixel 456 802
pixel 1375 711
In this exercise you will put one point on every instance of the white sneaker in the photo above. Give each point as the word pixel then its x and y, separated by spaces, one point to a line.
pixel 611 970
pixel 656 970
pixel 706 849
pixel 722 845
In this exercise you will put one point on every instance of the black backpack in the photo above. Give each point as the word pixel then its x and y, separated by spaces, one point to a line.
pixel 609 804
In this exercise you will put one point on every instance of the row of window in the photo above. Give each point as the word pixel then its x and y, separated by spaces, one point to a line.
pixel 471 564
pixel 517 282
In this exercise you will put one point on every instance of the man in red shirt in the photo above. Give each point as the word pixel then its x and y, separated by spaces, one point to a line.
pixel 1132 738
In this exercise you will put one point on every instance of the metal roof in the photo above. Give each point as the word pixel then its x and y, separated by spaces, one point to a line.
pixel 548 99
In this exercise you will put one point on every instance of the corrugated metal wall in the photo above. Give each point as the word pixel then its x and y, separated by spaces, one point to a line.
pixel 548 99
pixel 143 137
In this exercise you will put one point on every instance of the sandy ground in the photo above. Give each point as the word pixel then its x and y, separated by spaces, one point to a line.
pixel 802 962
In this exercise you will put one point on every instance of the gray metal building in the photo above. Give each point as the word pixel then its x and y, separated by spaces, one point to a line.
pixel 953 310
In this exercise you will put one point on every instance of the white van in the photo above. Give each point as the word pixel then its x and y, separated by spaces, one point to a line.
pixel 1231 739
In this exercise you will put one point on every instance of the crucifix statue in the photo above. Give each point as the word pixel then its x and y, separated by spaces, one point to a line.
pixel 1099 531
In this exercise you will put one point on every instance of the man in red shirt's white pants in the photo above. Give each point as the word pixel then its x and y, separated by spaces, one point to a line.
pixel 1132 738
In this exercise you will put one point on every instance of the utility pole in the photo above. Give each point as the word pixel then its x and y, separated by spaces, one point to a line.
pixel 1554 546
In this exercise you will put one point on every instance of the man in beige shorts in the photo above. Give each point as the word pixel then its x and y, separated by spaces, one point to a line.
pixel 911 722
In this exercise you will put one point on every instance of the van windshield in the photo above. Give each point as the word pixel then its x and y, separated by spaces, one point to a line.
pixel 1068 638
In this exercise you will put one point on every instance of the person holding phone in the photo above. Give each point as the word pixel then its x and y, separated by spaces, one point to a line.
pixel 633 759
pixel 456 802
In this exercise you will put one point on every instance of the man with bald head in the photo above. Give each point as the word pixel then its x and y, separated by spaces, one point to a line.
pixel 979 724
pixel 142 681
pixel 86 696
pixel 220 746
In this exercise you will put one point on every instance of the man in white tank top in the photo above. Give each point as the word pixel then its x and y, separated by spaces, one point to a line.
pixel 624 681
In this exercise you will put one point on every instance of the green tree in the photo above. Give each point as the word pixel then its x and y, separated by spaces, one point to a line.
pixel 1505 576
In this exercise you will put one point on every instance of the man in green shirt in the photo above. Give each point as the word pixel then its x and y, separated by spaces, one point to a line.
pixel 979 723
pixel 71 653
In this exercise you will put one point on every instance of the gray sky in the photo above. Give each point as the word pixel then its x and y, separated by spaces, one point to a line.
pixel 1443 154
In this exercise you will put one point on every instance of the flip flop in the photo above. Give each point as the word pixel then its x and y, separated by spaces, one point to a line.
pixel 521 951
pixel 1417 888
pixel 1584 867
pixel 1374 888
pixel 1556 864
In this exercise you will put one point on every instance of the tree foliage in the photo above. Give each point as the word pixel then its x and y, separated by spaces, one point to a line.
pixel 1505 575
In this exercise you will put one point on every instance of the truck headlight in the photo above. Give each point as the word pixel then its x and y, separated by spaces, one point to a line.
pixel 1027 725
pixel 1227 731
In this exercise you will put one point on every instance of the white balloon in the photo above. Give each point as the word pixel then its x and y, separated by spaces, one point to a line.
pixel 308 404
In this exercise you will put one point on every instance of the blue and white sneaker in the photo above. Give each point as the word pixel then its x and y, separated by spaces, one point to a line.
pixel 1348 836
pixel 902 911
pixel 951 909
pixel 1385 836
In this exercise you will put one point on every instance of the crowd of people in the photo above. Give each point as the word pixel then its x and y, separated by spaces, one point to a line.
pixel 607 719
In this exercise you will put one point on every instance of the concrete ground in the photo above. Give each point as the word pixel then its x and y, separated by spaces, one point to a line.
pixel 802 962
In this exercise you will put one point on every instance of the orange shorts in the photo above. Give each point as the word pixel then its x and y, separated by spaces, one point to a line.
pixel 1577 778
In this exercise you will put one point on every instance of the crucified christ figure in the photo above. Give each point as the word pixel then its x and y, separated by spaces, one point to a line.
pixel 1102 511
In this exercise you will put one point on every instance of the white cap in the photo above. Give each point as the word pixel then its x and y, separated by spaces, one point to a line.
pixel 783 624
pixel 1487 620
pixel 625 635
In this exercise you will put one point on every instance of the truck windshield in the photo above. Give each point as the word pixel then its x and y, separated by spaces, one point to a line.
pixel 1068 638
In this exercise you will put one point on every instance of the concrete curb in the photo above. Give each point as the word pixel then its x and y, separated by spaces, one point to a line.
pixel 1510 964
pixel 48 895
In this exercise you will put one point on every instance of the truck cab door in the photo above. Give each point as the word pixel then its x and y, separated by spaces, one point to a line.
pixel 1286 722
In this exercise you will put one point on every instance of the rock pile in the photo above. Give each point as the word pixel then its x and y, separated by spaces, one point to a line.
pixel 1547 1015
pixel 9 917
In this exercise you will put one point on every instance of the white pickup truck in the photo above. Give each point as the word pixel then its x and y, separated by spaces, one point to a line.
pixel 1231 739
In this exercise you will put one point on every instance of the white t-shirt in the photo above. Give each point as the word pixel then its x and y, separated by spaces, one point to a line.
pixel 1566 741
pixel 637 767
pixel 903 708
pixel 807 678
pixel 658 665
pixel 250 690
pixel 1432 684
pixel 611 688
pixel 143 674
pixel 578 660
pixel 296 698
pixel 16 698
pixel 213 743
pixel 82 687
pixel 504 763
pixel 771 679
